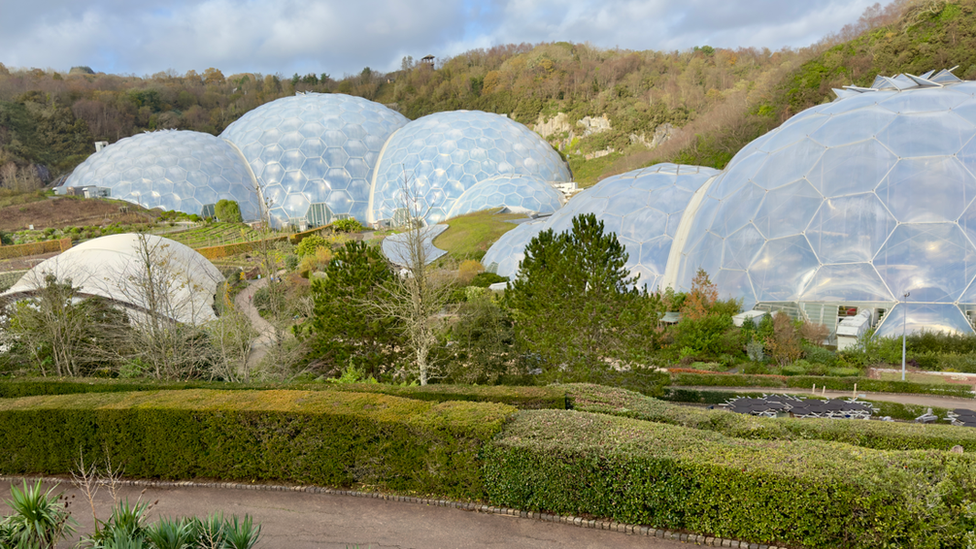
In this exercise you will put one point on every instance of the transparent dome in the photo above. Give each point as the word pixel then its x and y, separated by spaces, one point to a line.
pixel 313 154
pixel 435 159
pixel 507 252
pixel 857 201
pixel 173 170
pixel 642 207
pixel 519 193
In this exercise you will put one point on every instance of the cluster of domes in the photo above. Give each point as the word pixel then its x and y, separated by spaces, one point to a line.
pixel 312 158
pixel 853 203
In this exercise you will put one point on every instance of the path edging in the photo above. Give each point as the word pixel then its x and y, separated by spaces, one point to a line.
pixel 581 522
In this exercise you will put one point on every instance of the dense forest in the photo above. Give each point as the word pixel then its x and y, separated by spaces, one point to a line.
pixel 712 101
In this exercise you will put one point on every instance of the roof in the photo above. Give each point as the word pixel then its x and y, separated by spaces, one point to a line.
pixel 113 267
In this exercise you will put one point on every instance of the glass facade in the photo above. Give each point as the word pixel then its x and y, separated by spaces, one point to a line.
pixel 860 200
pixel 314 149
pixel 433 160
pixel 642 207
pixel 519 193
pixel 172 170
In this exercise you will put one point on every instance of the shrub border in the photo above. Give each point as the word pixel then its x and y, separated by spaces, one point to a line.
pixel 572 520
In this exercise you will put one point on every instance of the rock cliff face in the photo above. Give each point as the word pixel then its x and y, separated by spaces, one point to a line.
pixel 559 131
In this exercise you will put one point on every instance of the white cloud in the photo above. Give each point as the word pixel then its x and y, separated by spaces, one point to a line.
pixel 341 37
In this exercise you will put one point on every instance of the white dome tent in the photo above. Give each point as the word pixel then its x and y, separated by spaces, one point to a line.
pixel 146 274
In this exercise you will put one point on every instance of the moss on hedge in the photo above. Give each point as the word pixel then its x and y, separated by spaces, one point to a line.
pixel 328 438
pixel 868 434
pixel 811 493
pixel 522 397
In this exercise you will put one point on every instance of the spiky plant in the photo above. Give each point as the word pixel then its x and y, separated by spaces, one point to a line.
pixel 40 518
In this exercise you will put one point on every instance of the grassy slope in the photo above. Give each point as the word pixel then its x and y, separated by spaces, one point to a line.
pixel 469 236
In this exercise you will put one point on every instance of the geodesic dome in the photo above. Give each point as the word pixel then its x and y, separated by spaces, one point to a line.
pixel 642 207
pixel 114 267
pixel 519 193
pixel 858 202
pixel 313 154
pixel 507 252
pixel 433 160
pixel 174 170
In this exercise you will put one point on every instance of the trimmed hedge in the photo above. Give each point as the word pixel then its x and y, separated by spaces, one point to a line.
pixel 35 248
pixel 806 382
pixel 303 437
pixel 869 434
pixel 810 493
pixel 227 250
pixel 521 397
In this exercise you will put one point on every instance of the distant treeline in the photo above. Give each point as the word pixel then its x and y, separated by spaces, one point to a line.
pixel 722 98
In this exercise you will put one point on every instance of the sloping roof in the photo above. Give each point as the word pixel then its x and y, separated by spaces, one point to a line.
pixel 114 267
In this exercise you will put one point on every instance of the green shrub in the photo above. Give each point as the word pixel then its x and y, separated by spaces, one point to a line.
pixel 309 244
pixel 302 437
pixel 809 493
pixel 228 211
pixel 485 279
pixel 869 434
pixel 818 355
pixel 347 225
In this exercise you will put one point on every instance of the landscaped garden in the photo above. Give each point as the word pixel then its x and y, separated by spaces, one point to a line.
pixel 565 394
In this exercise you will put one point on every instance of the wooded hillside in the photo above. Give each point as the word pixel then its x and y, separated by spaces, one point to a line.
pixel 698 106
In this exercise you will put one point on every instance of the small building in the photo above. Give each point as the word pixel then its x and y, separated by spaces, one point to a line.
pixel 427 60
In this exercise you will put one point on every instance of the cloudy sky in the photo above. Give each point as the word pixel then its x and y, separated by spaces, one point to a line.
pixel 341 37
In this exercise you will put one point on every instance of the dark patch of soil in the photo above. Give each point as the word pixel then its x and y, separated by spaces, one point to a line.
pixel 69 212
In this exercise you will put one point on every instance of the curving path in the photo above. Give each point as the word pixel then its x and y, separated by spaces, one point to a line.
pixel 259 347
pixel 298 520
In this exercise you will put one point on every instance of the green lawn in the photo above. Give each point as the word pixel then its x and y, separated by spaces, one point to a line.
pixel 921 377
pixel 586 173
pixel 469 236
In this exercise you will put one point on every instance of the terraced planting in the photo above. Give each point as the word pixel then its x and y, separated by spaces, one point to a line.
pixel 216 234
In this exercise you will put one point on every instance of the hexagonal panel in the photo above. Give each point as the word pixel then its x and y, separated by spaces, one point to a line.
pixel 454 151
pixel 918 317
pixel 927 190
pixel 787 210
pixel 854 126
pixel 330 130
pixel 159 169
pixel 850 229
pixel 850 282
pixel 926 134
pixel 852 169
pixel 782 268
pixel 933 261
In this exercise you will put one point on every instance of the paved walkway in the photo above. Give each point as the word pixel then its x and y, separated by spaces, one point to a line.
pixel 243 301
pixel 933 401
pixel 297 520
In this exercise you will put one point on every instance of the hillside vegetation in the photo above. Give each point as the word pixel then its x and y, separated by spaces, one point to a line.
pixel 698 106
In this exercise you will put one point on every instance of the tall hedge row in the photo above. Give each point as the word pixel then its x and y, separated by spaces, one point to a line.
pixel 324 438
pixel 521 397
pixel 810 493
pixel 868 434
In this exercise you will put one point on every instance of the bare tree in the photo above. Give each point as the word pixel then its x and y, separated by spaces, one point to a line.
pixel 418 297
pixel 169 306
pixel 232 336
